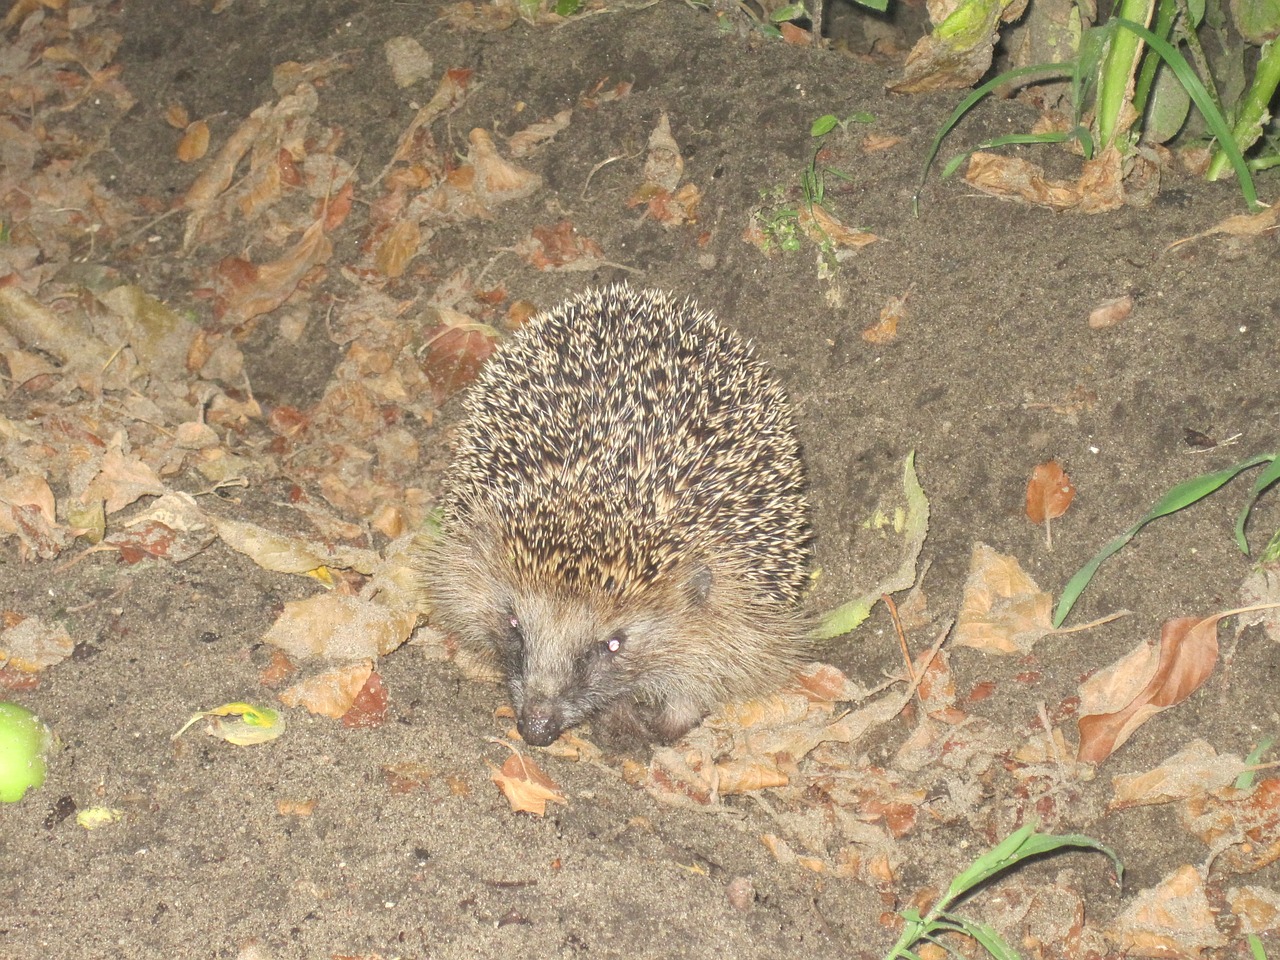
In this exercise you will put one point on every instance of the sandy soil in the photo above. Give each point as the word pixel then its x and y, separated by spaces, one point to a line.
pixel 993 371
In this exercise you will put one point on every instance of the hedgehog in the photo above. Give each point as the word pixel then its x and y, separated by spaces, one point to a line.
pixel 626 529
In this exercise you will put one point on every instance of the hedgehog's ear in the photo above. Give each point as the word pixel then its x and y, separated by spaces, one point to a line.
pixel 698 584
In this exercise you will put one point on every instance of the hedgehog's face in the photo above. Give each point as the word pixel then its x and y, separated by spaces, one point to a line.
pixel 571 658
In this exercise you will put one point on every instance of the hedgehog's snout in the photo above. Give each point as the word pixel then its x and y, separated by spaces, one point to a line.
pixel 540 723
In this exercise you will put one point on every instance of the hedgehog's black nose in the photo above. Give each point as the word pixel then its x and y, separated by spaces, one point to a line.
pixel 539 724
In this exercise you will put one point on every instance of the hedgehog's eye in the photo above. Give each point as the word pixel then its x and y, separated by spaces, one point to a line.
pixel 515 632
pixel 613 643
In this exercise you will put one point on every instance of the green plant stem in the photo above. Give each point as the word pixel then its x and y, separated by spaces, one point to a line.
pixel 1253 108
pixel 1118 70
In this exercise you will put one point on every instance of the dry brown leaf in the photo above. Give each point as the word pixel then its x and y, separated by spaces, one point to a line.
pixel 663 166
pixel 339 627
pixel 560 248
pixel 598 94
pixel 267 286
pixel 821 226
pixel 28 511
pixel 891 314
pixel 526 788
pixel 194 143
pixel 1194 770
pixel 1003 611
pixel 669 209
pixel 1154 677
pixel 1049 492
pixel 1257 908
pixel 173 527
pixel 398 246
pixel 524 142
pixel 406 777
pixel 1240 225
pixel 1244 822
pixel 329 694
pixel 1015 178
pixel 121 480
pixel 934 64
pixel 31 645
pixel 1110 312
pixel 497 180
pixel 876 143
pixel 369 709
pixel 177 117
pixel 1172 919
pixel 459 346
pixel 449 95
pixel 67 335
pixel 408 60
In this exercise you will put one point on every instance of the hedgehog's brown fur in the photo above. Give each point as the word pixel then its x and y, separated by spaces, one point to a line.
pixel 626 527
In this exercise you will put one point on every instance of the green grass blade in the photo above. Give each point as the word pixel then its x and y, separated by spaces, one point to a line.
pixel 1180 496
pixel 989 940
pixel 1265 479
pixel 1208 109
pixel 1044 71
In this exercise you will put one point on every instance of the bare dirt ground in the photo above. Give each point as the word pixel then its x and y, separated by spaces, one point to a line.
pixel 389 839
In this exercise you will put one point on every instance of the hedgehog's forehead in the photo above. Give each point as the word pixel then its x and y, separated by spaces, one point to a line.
pixel 589 560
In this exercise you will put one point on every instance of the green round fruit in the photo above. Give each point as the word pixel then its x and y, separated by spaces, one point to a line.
pixel 23 742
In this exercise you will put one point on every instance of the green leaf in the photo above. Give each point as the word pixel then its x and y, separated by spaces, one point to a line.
pixel 824 125
pixel 792 11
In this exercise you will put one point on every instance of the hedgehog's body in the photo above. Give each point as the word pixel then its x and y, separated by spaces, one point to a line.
pixel 626 524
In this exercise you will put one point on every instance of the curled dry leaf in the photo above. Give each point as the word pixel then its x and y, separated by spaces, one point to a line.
pixel 339 627
pixel 330 694
pixel 1154 677
pixel 1172 919
pixel 1003 611
pixel 526 788
pixel 497 180
pixel 1049 492
pixel 669 209
pixel 1099 188
pixel 1240 225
